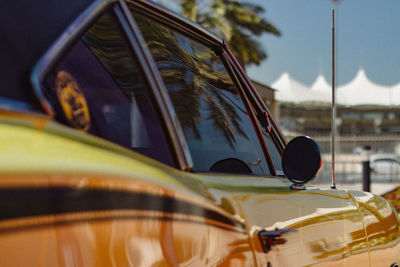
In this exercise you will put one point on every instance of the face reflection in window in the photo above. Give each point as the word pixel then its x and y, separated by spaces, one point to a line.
pixel 213 117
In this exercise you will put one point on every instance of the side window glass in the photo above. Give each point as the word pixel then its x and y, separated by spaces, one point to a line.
pixel 214 119
pixel 97 87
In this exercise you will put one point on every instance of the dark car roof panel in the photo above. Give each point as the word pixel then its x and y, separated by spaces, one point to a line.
pixel 32 27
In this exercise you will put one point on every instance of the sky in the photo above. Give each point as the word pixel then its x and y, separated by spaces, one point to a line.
pixel 367 36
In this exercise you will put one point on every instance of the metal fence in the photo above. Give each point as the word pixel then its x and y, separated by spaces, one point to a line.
pixel 349 169
pixel 352 144
pixel 348 159
pixel 345 172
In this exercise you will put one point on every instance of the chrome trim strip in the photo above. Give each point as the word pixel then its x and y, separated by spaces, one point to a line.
pixel 233 72
pixel 160 93
pixel 255 94
pixel 49 59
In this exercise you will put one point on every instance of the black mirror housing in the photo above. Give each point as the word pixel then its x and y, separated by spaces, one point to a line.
pixel 301 159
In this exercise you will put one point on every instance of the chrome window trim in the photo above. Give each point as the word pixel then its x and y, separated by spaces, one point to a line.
pixel 261 112
pixel 277 135
pixel 53 54
pixel 232 71
pixel 159 91
pixel 70 35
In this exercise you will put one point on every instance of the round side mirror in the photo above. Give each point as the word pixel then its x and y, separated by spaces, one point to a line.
pixel 301 159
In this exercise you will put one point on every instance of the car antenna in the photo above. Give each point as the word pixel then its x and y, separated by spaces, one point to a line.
pixel 333 119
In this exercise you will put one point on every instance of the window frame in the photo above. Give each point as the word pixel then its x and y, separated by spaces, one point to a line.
pixel 263 111
pixel 74 32
pixel 176 140
pixel 195 32
pixel 236 80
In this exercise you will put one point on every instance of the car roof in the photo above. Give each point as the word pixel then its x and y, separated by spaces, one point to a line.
pixel 27 30
pixel 375 157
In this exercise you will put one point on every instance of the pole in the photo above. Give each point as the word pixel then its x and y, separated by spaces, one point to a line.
pixel 366 168
pixel 333 119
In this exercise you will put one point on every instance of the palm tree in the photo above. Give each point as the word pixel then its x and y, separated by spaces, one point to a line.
pixel 234 21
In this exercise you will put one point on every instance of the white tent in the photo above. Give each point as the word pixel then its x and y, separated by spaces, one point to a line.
pixel 395 95
pixel 321 90
pixel 361 91
pixel 290 90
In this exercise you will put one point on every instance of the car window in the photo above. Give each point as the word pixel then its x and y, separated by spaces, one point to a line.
pixel 97 87
pixel 214 119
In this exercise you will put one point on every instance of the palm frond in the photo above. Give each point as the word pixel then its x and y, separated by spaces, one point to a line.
pixel 247 50
pixel 236 22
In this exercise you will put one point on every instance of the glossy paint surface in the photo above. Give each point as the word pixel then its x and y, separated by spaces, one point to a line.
pixel 79 201
pixel 328 227
pixel 382 228
pixel 69 203
pixel 120 237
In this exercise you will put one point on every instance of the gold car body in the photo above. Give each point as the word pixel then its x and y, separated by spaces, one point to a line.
pixel 69 198
pixel 333 226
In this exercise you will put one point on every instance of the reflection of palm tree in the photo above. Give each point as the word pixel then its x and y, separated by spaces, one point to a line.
pixel 195 78
pixel 235 22
pixel 105 42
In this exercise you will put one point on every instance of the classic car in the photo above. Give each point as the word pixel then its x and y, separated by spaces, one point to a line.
pixel 131 136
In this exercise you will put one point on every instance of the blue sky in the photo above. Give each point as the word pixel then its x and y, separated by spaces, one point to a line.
pixel 368 36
